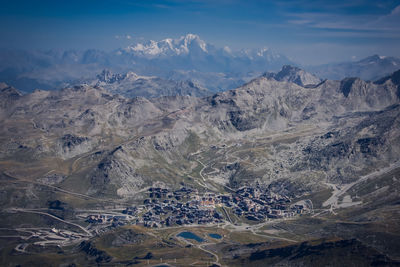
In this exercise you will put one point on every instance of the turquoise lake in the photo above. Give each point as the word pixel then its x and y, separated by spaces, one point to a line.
pixel 190 235
pixel 215 236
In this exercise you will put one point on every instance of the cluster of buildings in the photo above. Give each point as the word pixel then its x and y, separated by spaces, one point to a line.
pixel 180 207
pixel 187 206
pixel 257 204
pixel 184 206
pixel 102 218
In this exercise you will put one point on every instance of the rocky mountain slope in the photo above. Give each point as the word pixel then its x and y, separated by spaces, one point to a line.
pixel 84 119
pixel 132 85
pixel 332 143
pixel 294 75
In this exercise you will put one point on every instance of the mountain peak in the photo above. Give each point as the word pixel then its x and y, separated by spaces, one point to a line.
pixel 376 59
pixel 191 37
pixel 107 76
pixel 394 77
pixel 8 95
pixel 8 91
pixel 191 41
pixel 167 47
pixel 290 69
pixel 372 58
pixel 293 74
pixel 3 85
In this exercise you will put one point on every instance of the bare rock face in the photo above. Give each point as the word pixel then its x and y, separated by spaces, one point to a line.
pixel 394 79
pixel 8 96
pixel 52 179
pixel 295 75
pixel 342 154
pixel 268 104
pixel 71 145
pixel 260 104
pixel 143 140
pixel 93 253
pixel 361 95
pixel 132 85
pixel 115 175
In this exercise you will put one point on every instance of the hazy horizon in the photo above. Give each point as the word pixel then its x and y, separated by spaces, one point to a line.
pixel 308 32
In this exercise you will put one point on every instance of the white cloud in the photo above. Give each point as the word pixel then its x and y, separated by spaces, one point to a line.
pixel 123 37
pixel 366 25
pixel 300 21
pixel 390 21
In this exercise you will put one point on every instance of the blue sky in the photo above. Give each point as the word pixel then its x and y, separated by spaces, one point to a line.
pixel 308 31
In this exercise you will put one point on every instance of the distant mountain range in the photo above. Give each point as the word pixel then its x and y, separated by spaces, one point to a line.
pixel 191 53
pixel 370 68
pixel 187 58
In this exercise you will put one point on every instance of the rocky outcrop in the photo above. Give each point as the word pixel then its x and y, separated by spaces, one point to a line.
pixel 340 251
pixel 8 96
pixel 295 75
pixel 127 237
pixel 115 175
pixel 393 78
pixel 71 145
pixel 343 155
pixel 93 253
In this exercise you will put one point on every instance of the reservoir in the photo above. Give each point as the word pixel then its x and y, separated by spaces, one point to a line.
pixel 190 235
pixel 215 236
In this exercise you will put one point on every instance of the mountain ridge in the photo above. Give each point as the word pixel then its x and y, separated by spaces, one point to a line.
pixel 294 74
pixel 131 85
pixel 89 162
pixel 187 58
pixel 369 68
pixel 165 58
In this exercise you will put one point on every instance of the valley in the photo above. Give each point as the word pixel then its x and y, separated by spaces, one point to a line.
pixel 285 171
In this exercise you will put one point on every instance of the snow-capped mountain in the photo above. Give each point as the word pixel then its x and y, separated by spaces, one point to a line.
pixel 186 58
pixel 184 45
pixel 190 52
pixel 192 44
pixel 191 58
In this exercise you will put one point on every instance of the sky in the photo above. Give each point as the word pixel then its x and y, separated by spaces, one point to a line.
pixel 307 31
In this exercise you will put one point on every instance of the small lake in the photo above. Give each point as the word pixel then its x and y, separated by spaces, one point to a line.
pixel 215 236
pixel 190 235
